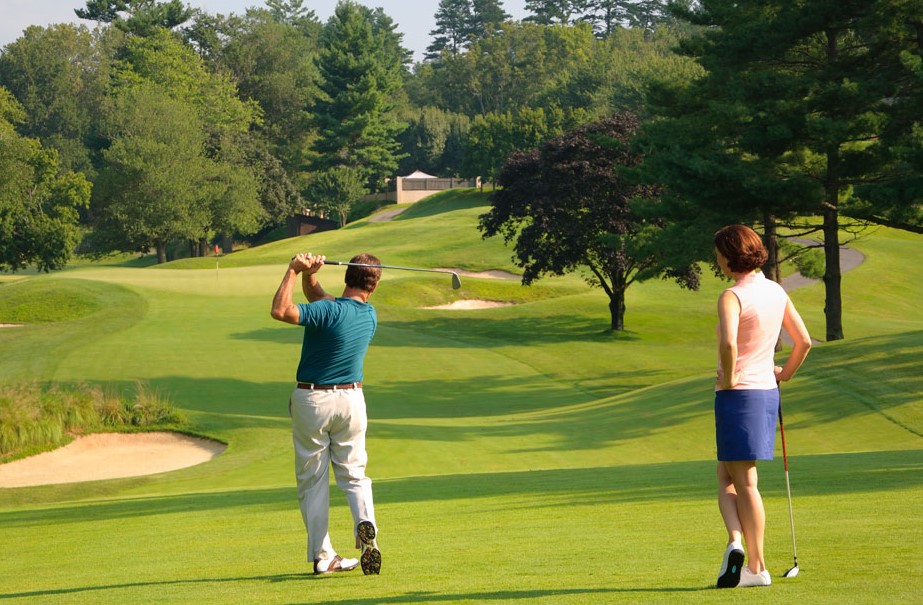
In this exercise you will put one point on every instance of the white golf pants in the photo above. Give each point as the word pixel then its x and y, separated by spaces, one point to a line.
pixel 328 427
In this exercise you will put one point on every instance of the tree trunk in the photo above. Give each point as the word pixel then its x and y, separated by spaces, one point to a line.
pixel 833 304
pixel 161 252
pixel 617 310
pixel 771 269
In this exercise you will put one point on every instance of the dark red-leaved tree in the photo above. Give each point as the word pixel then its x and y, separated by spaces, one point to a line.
pixel 567 208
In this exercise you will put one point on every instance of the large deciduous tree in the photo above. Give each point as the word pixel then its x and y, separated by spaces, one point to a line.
pixel 566 207
pixel 39 203
pixel 792 116
pixel 492 138
pixel 271 58
pixel 434 142
pixel 148 191
pixel 59 75
pixel 336 190
pixel 518 66
pixel 147 197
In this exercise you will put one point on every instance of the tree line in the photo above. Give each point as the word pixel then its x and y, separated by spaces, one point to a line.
pixel 154 124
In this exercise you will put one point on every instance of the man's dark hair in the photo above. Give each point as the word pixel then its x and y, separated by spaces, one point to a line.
pixel 363 278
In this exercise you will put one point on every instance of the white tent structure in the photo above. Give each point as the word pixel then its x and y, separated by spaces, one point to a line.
pixel 419 174
pixel 418 185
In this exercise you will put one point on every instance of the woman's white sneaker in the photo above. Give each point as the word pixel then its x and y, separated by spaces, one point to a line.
pixel 731 564
pixel 748 578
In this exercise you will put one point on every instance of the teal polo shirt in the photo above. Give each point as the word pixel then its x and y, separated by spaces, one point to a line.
pixel 337 334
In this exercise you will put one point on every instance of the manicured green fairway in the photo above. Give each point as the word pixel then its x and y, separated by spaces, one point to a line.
pixel 522 454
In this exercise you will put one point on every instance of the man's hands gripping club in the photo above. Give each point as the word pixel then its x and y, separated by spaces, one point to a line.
pixel 306 263
pixel 283 307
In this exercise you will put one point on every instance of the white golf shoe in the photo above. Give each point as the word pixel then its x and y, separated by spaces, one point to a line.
pixel 731 564
pixel 748 578
pixel 334 564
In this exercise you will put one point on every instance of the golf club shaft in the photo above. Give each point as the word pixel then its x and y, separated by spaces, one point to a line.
pixel 456 282
pixel 336 262
pixel 788 486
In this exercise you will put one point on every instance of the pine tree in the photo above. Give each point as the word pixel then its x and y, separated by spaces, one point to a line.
pixel 791 116
pixel 360 72
pixel 292 12
pixel 452 33
pixel 551 12
pixel 141 17
pixel 486 17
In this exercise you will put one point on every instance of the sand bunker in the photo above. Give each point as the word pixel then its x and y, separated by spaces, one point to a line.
pixel 472 304
pixel 476 303
pixel 110 456
pixel 10 325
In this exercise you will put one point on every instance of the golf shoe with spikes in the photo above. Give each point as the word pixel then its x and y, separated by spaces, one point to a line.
pixel 370 559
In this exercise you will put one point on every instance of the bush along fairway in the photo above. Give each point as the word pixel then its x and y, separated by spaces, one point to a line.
pixel 521 453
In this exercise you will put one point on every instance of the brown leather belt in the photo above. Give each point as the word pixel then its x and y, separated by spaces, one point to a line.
pixel 310 386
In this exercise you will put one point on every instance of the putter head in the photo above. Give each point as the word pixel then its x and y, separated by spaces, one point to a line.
pixel 791 573
pixel 456 283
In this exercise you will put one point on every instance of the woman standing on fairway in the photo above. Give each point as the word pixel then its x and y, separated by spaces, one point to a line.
pixel 750 316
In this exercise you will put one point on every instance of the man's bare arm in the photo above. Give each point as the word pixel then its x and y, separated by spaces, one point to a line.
pixel 309 284
pixel 283 307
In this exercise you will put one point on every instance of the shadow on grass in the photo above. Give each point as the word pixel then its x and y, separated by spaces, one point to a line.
pixel 411 597
pixel 509 595
pixel 825 475
pixel 82 589
pixel 877 374
pixel 571 418
pixel 554 418
pixel 450 329
pixel 261 403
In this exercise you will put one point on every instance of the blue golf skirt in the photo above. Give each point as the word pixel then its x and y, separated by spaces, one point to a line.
pixel 745 424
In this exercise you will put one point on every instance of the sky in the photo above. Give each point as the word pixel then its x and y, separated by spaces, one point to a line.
pixel 414 18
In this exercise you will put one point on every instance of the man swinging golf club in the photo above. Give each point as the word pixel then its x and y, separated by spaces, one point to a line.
pixel 327 407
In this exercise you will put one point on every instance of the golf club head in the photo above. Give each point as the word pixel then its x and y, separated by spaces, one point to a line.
pixel 791 573
pixel 456 283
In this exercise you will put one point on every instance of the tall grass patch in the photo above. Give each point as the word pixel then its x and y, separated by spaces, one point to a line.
pixel 35 418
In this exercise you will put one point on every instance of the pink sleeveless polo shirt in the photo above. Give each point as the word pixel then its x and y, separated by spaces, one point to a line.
pixel 762 306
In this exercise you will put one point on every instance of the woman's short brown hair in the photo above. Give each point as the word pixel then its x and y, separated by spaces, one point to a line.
pixel 363 278
pixel 742 247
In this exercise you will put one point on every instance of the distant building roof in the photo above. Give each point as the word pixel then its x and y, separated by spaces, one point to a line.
pixel 416 174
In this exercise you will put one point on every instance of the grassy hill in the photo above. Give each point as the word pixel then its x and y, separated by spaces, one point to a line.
pixel 520 454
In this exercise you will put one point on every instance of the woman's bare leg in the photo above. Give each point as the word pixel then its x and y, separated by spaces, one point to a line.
pixel 751 516
pixel 727 504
